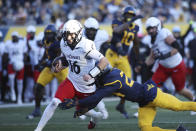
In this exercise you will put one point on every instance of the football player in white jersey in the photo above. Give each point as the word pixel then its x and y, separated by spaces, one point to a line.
pixel 80 55
pixel 99 37
pixel 15 50
pixel 30 40
pixel 165 50
pixel 93 32
pixel 36 53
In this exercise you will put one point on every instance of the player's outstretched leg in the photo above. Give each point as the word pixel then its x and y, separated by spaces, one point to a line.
pixel 167 101
pixel 48 113
pixel 39 91
pixel 121 108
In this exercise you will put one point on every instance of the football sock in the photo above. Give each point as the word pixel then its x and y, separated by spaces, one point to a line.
pixel 20 87
pixel 48 113
pixel 12 90
pixel 102 109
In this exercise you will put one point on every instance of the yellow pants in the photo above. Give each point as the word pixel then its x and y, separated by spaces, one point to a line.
pixel 120 62
pixel 165 101
pixel 46 76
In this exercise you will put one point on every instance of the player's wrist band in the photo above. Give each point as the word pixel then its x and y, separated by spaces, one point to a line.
pixel 95 71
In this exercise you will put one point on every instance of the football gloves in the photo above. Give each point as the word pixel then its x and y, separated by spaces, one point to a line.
pixel 67 104
pixel 159 55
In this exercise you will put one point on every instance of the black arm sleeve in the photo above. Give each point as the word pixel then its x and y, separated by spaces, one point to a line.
pixel 175 44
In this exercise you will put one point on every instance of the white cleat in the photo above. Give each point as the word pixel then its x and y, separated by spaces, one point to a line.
pixel 105 114
pixel 19 102
pixel 82 117
pixel 135 115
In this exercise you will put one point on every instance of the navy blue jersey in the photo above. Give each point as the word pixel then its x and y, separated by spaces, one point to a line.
pixel 54 50
pixel 117 82
pixel 126 37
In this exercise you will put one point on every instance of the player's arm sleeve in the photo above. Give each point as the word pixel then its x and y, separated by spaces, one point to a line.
pixel 91 52
pixel 91 101
pixel 119 27
pixel 95 55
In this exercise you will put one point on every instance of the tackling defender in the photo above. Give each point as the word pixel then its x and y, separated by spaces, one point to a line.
pixel 147 95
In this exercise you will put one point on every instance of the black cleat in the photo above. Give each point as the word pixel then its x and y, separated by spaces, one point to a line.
pixel 181 128
pixel 121 109
pixel 35 113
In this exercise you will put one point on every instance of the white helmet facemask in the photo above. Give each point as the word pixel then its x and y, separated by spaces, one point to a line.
pixel 73 27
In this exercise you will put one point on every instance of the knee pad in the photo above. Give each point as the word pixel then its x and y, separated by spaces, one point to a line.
pixel 39 90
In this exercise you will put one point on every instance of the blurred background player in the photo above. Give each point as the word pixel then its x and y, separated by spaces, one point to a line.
pixel 36 52
pixel 165 50
pixel 29 82
pixel 15 50
pixel 52 50
pixel 142 72
pixel 92 32
pixel 124 33
pixel 184 51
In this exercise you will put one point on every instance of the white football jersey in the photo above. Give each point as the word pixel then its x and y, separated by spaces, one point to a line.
pixel 80 63
pixel 161 46
pixel 36 54
pixel 101 37
pixel 32 44
pixel 2 48
pixel 15 50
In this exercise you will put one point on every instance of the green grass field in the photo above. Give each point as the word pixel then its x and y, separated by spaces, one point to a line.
pixel 13 119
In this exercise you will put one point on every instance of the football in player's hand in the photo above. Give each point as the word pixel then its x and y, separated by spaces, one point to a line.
pixel 55 61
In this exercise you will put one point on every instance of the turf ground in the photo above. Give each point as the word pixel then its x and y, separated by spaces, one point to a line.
pixel 13 119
